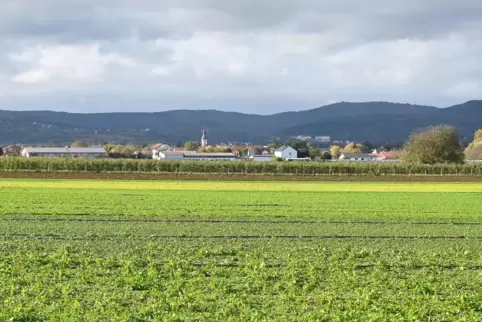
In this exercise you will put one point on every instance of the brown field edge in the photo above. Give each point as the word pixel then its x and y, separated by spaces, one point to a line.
pixel 236 177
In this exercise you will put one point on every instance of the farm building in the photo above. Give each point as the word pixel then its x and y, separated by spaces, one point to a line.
pixel 171 155
pixel 89 153
pixel 286 152
pixel 261 157
pixel 358 157
pixel 12 150
pixel 209 156
pixel 168 155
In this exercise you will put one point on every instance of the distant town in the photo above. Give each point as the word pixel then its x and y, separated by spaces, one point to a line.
pixel 300 148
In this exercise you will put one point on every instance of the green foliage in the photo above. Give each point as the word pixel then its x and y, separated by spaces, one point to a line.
pixel 235 167
pixel 191 146
pixel 474 150
pixel 436 144
pixel 275 144
pixel 325 156
pixel 305 149
pixel 215 149
pixel 117 251
pixel 122 151
pixel 79 144
pixel 335 151
pixel 354 148
pixel 478 136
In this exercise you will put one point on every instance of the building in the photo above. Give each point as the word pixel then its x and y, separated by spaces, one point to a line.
pixel 88 153
pixel 286 152
pixel 357 157
pixel 261 157
pixel 158 148
pixel 209 156
pixel 169 155
pixel 204 140
pixel 12 151
pixel 387 156
pixel 302 137
pixel 323 139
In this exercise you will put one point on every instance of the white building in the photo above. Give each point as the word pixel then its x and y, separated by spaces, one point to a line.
pixel 204 140
pixel 261 158
pixel 89 153
pixel 323 139
pixel 358 157
pixel 169 155
pixel 209 156
pixel 286 152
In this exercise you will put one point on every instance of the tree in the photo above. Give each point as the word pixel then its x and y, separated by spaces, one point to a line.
pixel 79 144
pixel 436 144
pixel 478 135
pixel 274 144
pixel 325 156
pixel 190 146
pixel 146 152
pixel 313 151
pixel 217 149
pixel 335 151
pixel 474 150
pixel 301 147
pixel 354 148
pixel 128 150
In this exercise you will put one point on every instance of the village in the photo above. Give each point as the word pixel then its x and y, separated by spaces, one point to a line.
pixel 203 151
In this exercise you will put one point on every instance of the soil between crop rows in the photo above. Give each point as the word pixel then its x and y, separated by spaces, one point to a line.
pixel 236 177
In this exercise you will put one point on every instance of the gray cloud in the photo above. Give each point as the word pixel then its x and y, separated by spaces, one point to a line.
pixel 247 55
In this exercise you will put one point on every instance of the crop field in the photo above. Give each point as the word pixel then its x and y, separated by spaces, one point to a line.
pixel 84 250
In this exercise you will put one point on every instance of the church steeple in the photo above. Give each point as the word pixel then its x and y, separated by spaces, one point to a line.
pixel 204 139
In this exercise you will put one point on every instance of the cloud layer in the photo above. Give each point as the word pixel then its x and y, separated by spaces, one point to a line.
pixel 251 56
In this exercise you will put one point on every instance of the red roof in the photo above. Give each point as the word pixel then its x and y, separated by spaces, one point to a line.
pixel 386 154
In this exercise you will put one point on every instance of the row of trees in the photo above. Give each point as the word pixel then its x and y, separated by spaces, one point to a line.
pixel 435 144
pixel 474 150
pixel 336 151
pixel 237 167
pixel 440 144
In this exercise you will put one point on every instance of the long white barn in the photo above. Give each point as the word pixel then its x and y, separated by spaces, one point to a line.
pixel 89 153
pixel 169 155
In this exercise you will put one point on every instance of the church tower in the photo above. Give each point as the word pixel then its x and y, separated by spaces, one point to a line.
pixel 204 140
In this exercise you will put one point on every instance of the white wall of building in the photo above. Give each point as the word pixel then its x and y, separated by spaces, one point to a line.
pixel 169 156
pixel 286 153
pixel 261 158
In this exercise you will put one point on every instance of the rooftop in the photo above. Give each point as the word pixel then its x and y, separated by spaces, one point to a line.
pixel 210 155
pixel 65 150
pixel 283 147
pixel 358 155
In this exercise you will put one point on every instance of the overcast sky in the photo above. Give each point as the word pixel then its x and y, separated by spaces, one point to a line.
pixel 256 56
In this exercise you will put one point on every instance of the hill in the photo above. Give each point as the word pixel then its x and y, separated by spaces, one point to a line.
pixel 370 121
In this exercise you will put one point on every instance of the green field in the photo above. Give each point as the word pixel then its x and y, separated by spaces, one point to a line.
pixel 239 251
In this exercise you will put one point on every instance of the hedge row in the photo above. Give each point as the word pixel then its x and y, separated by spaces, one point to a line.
pixel 233 167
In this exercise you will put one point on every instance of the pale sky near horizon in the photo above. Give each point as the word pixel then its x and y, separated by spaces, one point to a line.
pixel 253 56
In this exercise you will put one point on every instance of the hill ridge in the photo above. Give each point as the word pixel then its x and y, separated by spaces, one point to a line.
pixel 359 121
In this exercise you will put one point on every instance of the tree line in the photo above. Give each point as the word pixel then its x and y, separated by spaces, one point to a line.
pixel 433 145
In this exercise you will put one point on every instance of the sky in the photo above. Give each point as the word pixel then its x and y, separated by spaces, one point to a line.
pixel 252 56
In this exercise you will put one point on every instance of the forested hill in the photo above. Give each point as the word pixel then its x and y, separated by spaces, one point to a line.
pixel 371 121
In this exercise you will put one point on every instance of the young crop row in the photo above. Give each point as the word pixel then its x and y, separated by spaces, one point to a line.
pixel 233 167
pixel 236 281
